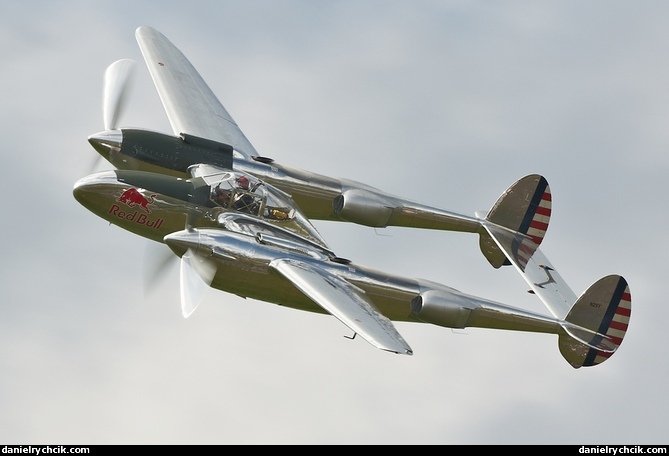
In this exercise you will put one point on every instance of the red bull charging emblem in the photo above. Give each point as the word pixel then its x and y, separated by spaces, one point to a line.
pixel 133 198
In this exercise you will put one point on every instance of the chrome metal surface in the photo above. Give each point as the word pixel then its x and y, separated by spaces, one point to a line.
pixel 241 224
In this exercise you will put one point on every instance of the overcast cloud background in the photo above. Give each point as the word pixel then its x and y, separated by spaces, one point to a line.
pixel 446 102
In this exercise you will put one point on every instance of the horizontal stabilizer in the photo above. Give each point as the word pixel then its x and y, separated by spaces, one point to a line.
pixel 534 267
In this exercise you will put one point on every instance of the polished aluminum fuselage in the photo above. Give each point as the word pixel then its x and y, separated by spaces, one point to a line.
pixel 243 253
pixel 243 269
pixel 241 223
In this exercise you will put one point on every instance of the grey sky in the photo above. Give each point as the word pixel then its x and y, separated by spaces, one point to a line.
pixel 447 102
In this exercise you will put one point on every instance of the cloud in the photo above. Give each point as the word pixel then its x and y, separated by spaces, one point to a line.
pixel 445 103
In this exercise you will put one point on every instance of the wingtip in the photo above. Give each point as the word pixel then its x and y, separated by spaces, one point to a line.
pixel 141 29
pixel 145 31
pixel 403 351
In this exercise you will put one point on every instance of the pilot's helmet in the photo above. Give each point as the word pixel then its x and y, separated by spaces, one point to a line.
pixel 243 182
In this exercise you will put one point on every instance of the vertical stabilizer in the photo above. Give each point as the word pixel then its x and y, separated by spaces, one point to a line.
pixel 525 207
pixel 596 324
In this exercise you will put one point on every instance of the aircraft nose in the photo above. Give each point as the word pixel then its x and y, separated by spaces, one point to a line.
pixel 106 142
pixel 87 189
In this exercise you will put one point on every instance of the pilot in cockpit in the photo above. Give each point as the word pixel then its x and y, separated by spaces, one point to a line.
pixel 243 201
pixel 243 182
pixel 222 196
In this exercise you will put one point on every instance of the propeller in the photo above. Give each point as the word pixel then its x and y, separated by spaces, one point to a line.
pixel 196 276
pixel 196 270
pixel 116 88
pixel 159 263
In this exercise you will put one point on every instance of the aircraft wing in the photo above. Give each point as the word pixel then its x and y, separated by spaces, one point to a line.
pixel 345 302
pixel 189 103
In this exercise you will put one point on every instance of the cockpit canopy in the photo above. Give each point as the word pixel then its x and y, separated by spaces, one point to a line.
pixel 245 193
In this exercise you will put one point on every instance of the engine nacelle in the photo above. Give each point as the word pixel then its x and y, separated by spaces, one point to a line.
pixel 441 310
pixel 363 207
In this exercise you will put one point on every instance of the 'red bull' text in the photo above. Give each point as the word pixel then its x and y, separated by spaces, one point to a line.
pixel 136 217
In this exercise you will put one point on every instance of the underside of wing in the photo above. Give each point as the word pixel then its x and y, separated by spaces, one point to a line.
pixel 345 302
pixel 189 103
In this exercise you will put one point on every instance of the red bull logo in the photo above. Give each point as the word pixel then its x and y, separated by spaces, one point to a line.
pixel 131 197
pixel 135 217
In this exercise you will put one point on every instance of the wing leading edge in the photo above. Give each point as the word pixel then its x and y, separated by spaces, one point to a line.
pixel 345 302
pixel 189 103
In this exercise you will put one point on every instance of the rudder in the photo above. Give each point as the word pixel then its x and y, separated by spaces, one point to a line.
pixel 525 207
pixel 596 324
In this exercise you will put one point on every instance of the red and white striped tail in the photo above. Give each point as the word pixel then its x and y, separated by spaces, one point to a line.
pixel 538 221
pixel 605 309
pixel 525 208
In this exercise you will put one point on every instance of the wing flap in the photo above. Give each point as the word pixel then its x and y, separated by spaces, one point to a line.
pixel 345 302
pixel 189 103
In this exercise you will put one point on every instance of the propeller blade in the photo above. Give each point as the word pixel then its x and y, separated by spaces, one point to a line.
pixel 95 163
pixel 116 87
pixel 158 262
pixel 196 275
